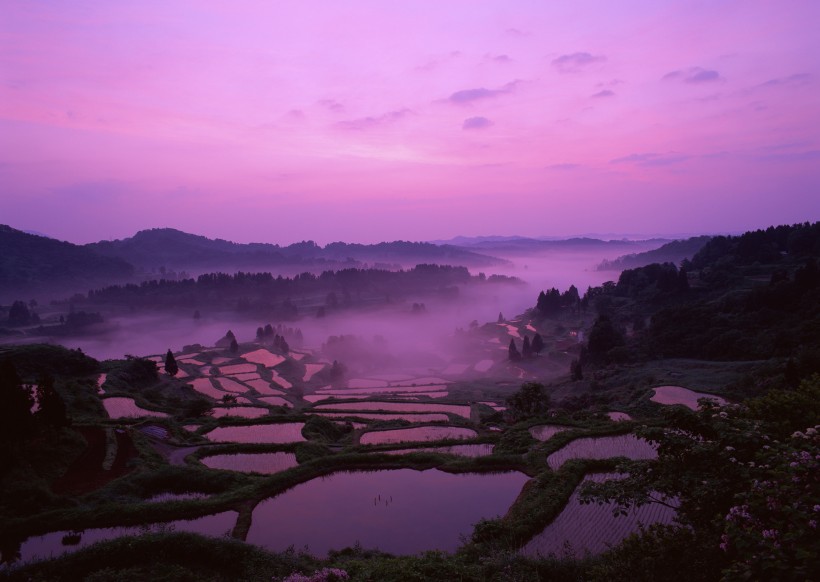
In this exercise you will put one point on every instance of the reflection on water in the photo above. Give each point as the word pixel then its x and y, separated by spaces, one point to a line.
pixel 398 511
pixel 57 543
pixel 267 463
pixel 289 432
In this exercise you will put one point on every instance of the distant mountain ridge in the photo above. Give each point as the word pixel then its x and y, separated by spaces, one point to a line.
pixel 523 245
pixel 171 248
pixel 671 252
pixel 29 263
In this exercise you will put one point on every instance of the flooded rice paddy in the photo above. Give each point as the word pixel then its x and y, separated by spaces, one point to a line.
pixel 290 432
pixel 417 434
pixel 122 407
pixel 460 410
pixel 398 511
pixel 626 445
pixel 670 395
pixel 593 528
pixel 267 463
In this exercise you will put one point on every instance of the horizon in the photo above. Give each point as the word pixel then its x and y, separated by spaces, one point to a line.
pixel 605 237
pixel 362 122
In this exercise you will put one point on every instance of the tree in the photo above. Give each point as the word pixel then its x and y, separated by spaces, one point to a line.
pixel 260 333
pixel 16 420
pixel 19 314
pixel 500 317
pixel 171 366
pixel 537 344
pixel 234 347
pixel 575 370
pixel 52 408
pixel 746 483
pixel 531 399
pixel 513 351
pixel 526 350
pixel 603 337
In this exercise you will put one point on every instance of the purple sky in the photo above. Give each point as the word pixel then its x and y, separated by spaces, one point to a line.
pixel 372 120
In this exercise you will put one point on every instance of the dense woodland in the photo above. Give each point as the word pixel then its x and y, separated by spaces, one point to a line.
pixel 741 317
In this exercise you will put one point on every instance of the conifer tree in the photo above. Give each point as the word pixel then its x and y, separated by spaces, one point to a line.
pixel 526 350
pixel 171 366
pixel 513 351
pixel 537 344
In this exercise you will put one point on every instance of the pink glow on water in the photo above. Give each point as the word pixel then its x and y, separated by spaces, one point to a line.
pixel 204 386
pixel 121 407
pixel 626 445
pixel 240 411
pixel 398 511
pixel 384 416
pixel 670 395
pixel 231 385
pixel 399 407
pixel 264 357
pixel 267 463
pixel 421 433
pixel 237 369
pixel 258 433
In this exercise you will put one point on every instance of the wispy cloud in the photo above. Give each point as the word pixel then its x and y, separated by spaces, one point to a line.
pixel 575 62
pixel 798 79
pixel 332 105
pixel 563 167
pixel 365 123
pixel 693 75
pixel 438 60
pixel 466 96
pixel 604 93
pixel 476 123
pixel 651 159
pixel 498 59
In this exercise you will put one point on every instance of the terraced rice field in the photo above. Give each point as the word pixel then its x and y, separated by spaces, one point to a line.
pixel 545 432
pixel 204 386
pixel 371 416
pixel 240 411
pixel 483 365
pixel 266 463
pixel 51 544
pixel 461 450
pixel 347 392
pixel 418 434
pixel 290 432
pixel 237 369
pixel 275 401
pixel 281 381
pixel 460 410
pixel 232 385
pixel 592 528
pixel 121 407
pixel 263 387
pixel 627 445
pixel 264 357
pixel 311 370
pixel 670 395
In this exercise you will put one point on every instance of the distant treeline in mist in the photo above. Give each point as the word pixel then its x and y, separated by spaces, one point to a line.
pixel 264 291
pixel 740 298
